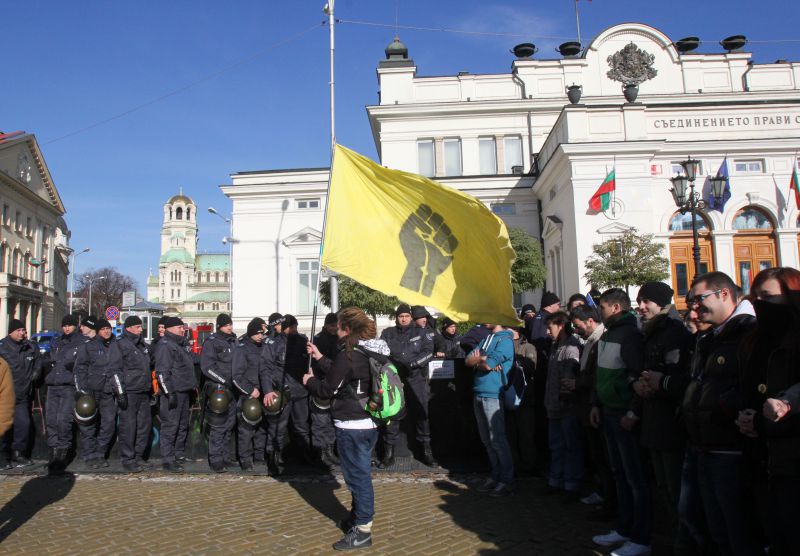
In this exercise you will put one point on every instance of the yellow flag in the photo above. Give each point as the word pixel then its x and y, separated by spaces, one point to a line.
pixel 426 243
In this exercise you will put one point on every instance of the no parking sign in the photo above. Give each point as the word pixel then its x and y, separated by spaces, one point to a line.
pixel 112 313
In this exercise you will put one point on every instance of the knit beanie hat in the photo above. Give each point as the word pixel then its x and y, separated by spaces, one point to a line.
pixel 15 324
pixel 254 326
pixel 69 320
pixel 549 298
pixel 224 319
pixel 132 320
pixel 402 308
pixel 657 292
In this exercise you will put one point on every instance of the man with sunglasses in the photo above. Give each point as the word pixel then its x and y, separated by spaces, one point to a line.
pixel 711 402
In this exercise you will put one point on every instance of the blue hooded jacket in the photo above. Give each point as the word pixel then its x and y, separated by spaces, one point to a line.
pixel 499 350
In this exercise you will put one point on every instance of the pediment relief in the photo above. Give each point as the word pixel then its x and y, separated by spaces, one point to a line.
pixel 306 236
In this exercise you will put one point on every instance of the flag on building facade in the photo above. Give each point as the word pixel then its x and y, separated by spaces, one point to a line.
pixel 601 200
pixel 426 243
pixel 726 195
pixel 795 185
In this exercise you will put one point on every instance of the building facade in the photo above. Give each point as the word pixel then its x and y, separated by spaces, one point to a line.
pixel 34 238
pixel 517 142
pixel 194 286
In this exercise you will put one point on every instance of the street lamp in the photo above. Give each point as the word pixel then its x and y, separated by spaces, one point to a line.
pixel 91 281
pixel 230 243
pixel 72 278
pixel 687 199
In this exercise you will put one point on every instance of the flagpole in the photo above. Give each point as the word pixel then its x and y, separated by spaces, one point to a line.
pixel 328 9
pixel 577 21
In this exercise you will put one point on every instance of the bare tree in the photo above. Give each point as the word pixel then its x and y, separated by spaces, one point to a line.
pixel 107 287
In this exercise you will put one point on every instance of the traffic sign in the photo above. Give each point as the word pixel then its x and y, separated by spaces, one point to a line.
pixel 112 313
pixel 128 299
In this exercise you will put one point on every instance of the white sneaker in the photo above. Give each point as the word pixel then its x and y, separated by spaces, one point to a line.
pixel 610 539
pixel 632 549
pixel 593 499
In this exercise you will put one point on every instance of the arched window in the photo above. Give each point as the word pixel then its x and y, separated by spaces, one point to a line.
pixel 188 213
pixel 179 213
pixel 683 222
pixel 199 277
pixel 216 276
pixel 797 224
pixel 201 306
pixel 170 213
pixel 208 276
pixel 3 255
pixel 751 218
pixel 225 277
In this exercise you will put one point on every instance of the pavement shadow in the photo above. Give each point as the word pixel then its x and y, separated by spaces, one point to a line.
pixel 319 494
pixel 35 495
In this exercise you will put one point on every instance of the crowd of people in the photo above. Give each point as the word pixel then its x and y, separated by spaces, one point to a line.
pixel 628 406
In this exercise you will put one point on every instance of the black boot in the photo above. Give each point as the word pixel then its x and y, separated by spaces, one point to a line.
pixel 19 459
pixel 274 465
pixel 427 456
pixel 328 457
pixel 388 457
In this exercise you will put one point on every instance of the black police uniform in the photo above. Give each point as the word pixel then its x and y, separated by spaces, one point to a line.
pixel 98 371
pixel 176 382
pixel 247 366
pixel 135 420
pixel 26 368
pixel 322 432
pixel 411 350
pixel 284 362
pixel 60 382
pixel 215 363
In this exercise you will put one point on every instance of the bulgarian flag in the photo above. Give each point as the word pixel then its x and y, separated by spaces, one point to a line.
pixel 601 200
pixel 795 184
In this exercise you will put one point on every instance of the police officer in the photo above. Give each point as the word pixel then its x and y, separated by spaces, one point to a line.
pixel 98 371
pixel 274 325
pixel 60 382
pixel 285 361
pixel 251 439
pixel 87 327
pixel 176 381
pixel 135 421
pixel 22 356
pixel 323 436
pixel 411 350
pixel 216 364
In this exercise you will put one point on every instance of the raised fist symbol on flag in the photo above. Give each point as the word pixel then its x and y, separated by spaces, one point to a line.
pixel 428 244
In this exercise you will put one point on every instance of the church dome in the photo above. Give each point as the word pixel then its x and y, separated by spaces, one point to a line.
pixel 180 197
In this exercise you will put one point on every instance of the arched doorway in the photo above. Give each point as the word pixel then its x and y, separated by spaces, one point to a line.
pixel 753 245
pixel 680 253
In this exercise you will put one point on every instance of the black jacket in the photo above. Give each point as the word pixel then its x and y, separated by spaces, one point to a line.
pixel 348 375
pixel 474 337
pixel 174 365
pixel 98 366
pixel 25 362
pixel 713 399
pixel 137 362
pixel 666 350
pixel 285 362
pixel 216 361
pixel 452 346
pixel 247 364
pixel 411 347
pixel 328 344
pixel 63 352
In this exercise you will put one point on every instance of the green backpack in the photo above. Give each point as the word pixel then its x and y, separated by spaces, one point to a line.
pixel 385 399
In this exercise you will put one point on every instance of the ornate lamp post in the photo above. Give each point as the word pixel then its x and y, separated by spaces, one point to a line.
pixel 687 199
pixel 72 278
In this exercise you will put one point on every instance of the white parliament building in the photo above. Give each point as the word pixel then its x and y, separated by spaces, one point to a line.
pixel 535 151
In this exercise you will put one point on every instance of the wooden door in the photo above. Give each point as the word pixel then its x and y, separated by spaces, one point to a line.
pixel 682 264
pixel 752 254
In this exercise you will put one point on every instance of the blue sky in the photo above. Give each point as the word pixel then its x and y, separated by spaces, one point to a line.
pixel 262 97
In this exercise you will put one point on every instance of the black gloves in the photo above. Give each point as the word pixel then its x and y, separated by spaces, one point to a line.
pixel 122 401
pixel 173 401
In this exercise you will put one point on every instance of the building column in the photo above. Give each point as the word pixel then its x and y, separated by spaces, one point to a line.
pixel 787 246
pixel 724 259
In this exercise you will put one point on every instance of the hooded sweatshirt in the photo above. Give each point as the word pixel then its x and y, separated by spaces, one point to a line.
pixel 499 351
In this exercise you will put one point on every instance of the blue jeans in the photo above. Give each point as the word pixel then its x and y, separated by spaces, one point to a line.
pixel 634 518
pixel 721 489
pixel 355 448
pixel 492 428
pixel 566 453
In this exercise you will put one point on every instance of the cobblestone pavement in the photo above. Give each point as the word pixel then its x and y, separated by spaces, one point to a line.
pixel 234 514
